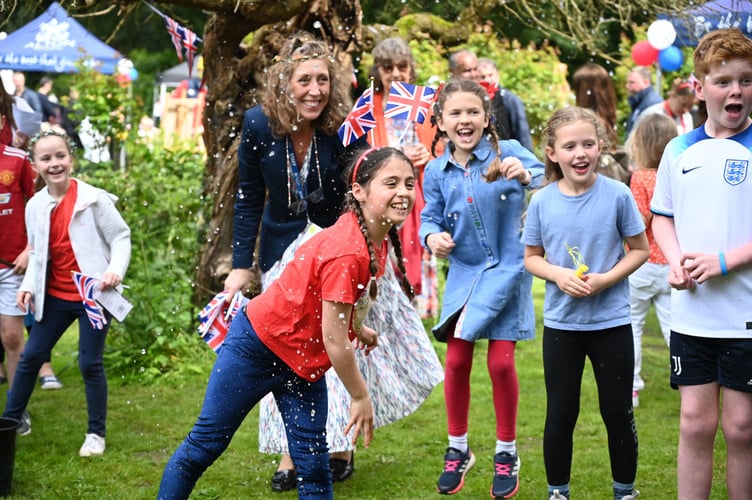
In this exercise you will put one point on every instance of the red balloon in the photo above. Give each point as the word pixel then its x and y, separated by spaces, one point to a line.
pixel 644 54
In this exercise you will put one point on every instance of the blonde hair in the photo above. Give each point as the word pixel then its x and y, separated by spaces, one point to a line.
pixel 649 138
pixel 277 101
pixel 567 116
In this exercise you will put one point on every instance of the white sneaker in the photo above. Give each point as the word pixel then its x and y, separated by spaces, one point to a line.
pixel 50 382
pixel 634 495
pixel 557 496
pixel 24 426
pixel 93 446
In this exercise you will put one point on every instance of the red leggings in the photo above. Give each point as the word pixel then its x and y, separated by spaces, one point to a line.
pixel 506 390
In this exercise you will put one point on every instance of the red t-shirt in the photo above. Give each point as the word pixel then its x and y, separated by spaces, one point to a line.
pixel 333 266
pixel 642 185
pixel 16 187
pixel 62 260
pixel 6 133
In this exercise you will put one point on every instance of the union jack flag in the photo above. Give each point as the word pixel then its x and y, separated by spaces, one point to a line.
pixel 216 316
pixel 190 42
pixel 360 120
pixel 85 286
pixel 409 102
pixel 176 35
pixel 182 38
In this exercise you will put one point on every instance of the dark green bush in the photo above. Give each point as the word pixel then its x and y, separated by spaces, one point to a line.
pixel 160 198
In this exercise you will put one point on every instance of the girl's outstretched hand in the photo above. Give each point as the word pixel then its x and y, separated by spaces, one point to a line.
pixel 361 420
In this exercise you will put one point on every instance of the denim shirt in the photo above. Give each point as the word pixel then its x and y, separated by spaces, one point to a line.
pixel 486 271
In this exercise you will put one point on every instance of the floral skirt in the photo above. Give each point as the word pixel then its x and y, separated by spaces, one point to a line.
pixel 400 373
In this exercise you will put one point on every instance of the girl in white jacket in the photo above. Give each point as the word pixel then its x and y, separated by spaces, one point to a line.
pixel 72 227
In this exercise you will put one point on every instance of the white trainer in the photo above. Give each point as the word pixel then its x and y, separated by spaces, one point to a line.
pixel 634 495
pixel 93 446
pixel 557 496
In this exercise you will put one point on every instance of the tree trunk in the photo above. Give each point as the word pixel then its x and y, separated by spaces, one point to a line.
pixel 234 77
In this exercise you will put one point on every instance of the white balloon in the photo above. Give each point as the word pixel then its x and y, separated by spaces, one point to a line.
pixel 661 34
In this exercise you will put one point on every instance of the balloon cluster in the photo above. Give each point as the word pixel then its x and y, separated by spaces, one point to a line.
pixel 659 47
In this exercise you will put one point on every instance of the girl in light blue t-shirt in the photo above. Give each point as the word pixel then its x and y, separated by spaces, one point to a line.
pixel 574 238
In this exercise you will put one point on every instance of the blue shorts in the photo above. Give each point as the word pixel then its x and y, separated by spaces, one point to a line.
pixel 700 360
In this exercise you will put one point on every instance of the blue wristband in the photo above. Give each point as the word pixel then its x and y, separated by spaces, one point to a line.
pixel 722 260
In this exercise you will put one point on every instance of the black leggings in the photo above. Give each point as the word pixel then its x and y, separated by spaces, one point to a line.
pixel 611 354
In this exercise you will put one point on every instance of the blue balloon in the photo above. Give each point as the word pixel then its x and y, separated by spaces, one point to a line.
pixel 133 73
pixel 670 58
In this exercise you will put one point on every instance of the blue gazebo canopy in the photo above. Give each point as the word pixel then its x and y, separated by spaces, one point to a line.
pixel 54 42
pixel 692 24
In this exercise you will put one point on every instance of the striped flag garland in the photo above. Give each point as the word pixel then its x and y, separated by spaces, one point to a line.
pixel 216 316
pixel 184 40
pixel 85 286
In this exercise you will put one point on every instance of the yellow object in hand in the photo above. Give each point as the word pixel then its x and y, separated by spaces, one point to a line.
pixel 578 260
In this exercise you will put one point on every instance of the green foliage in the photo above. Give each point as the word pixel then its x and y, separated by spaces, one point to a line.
pixel 160 198
pixel 103 102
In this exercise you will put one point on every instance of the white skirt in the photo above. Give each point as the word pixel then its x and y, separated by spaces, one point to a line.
pixel 400 373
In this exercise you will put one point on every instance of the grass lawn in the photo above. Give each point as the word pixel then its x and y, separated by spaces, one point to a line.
pixel 146 424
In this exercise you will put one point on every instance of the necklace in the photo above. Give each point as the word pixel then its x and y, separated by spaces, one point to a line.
pixel 299 202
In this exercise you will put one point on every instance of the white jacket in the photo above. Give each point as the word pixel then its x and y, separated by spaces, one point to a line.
pixel 100 238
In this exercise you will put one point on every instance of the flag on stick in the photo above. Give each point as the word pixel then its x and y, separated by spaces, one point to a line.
pixel 85 286
pixel 216 316
pixel 409 102
pixel 360 120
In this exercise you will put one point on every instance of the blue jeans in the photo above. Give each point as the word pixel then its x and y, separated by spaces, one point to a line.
pixel 58 316
pixel 245 371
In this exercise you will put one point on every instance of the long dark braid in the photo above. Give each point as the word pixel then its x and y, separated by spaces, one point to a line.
pixel 406 286
pixel 362 165
pixel 373 266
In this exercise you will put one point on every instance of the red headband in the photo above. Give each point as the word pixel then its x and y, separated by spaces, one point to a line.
pixel 360 160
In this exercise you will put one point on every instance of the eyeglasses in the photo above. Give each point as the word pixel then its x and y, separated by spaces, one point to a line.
pixel 299 206
pixel 389 67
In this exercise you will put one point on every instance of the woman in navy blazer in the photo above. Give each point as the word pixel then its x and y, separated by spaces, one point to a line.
pixel 288 176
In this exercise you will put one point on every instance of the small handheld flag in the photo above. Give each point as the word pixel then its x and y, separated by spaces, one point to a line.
pixel 216 316
pixel 85 286
pixel 409 102
pixel 360 120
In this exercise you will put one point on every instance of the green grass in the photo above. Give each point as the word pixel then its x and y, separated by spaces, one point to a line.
pixel 146 424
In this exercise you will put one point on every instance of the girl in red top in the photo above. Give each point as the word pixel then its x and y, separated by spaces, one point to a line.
pixel 649 284
pixel 301 325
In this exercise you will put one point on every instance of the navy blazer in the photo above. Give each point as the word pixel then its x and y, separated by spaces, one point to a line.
pixel 262 196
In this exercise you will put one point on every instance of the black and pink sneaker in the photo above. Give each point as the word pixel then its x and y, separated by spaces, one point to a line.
pixel 456 465
pixel 506 480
